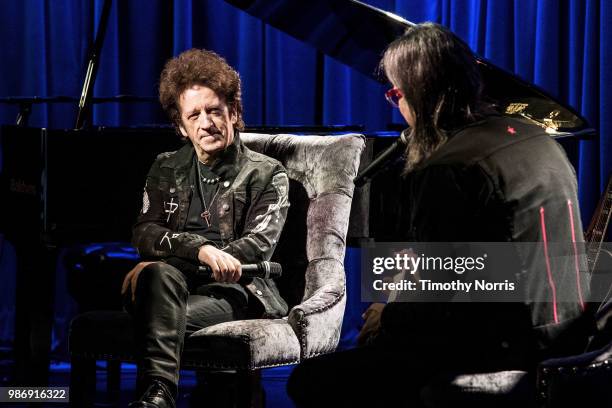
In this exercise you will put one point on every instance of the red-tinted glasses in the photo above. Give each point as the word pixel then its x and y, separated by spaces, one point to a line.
pixel 393 96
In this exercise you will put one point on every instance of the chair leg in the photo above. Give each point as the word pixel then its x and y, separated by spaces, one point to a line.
pixel 250 391
pixel 229 389
pixel 214 389
pixel 82 382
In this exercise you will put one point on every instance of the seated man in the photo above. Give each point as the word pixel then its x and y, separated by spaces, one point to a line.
pixel 472 176
pixel 213 202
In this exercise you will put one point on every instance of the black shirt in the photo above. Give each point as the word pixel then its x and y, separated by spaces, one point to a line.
pixel 209 192
pixel 196 223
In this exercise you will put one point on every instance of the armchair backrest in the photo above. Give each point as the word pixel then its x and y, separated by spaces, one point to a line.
pixel 321 170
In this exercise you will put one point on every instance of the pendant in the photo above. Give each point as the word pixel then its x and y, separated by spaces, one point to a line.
pixel 206 216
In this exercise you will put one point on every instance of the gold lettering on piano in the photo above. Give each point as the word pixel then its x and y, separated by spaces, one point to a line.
pixel 551 121
pixel 20 186
pixel 516 108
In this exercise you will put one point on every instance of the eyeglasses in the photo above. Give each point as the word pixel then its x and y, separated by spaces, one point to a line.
pixel 393 96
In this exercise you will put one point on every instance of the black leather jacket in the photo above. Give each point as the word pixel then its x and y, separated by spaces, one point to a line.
pixel 497 181
pixel 251 207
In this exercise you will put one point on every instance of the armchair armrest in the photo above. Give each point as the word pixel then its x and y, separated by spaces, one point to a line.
pixel 583 379
pixel 318 319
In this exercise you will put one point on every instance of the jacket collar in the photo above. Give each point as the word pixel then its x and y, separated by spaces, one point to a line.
pixel 181 159
pixel 226 166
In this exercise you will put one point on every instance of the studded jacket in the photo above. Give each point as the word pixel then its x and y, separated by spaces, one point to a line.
pixel 251 207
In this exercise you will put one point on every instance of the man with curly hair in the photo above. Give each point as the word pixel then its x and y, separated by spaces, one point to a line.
pixel 213 202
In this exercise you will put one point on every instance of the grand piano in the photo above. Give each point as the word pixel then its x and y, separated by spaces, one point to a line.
pixel 60 186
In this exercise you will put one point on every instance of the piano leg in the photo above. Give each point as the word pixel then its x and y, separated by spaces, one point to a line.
pixel 34 313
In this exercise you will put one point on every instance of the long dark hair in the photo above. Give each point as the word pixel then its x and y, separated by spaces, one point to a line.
pixel 437 74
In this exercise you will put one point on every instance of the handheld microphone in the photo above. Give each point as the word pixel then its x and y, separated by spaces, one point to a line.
pixel 382 159
pixel 265 270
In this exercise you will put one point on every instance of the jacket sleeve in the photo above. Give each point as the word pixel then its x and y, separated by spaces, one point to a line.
pixel 264 223
pixel 151 235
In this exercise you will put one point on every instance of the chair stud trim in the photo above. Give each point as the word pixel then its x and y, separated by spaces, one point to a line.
pixel 184 364
pixel 213 365
pixel 302 323
pixel 326 307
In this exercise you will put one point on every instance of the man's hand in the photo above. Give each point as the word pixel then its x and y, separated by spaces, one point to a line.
pixel 225 267
pixel 371 326
pixel 132 277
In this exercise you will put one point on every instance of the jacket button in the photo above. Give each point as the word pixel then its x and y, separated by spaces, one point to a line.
pixel 226 184
pixel 259 292
pixel 225 207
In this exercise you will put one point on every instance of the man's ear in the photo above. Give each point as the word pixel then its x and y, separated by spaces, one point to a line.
pixel 233 116
pixel 181 129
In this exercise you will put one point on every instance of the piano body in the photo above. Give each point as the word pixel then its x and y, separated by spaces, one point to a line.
pixel 61 186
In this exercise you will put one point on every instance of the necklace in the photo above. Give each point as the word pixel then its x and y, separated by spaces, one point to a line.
pixel 213 180
pixel 207 180
pixel 206 213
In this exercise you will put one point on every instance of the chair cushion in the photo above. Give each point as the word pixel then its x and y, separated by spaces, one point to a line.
pixel 245 344
pixel 498 389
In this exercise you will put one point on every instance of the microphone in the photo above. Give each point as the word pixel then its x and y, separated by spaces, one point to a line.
pixel 265 270
pixel 382 160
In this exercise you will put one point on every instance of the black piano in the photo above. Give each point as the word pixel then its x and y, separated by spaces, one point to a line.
pixel 61 187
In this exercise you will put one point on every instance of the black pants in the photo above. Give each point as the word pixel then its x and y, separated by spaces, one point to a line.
pixel 167 308
pixel 424 342
pixel 363 377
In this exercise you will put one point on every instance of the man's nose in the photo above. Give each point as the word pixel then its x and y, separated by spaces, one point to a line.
pixel 205 121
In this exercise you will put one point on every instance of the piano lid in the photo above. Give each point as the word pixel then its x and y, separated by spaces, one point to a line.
pixel 357 34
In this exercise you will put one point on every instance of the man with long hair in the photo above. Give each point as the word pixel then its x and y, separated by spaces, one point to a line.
pixel 473 176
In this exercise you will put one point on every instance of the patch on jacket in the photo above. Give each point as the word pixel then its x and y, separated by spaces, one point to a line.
pixel 145 202
pixel 280 182
pixel 165 155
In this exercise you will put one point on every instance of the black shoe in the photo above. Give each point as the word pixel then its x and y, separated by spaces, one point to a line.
pixel 157 395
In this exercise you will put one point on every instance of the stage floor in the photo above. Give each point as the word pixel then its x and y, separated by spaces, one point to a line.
pixel 274 381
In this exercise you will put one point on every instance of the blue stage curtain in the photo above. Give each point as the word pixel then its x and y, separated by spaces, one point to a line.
pixel 562 46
